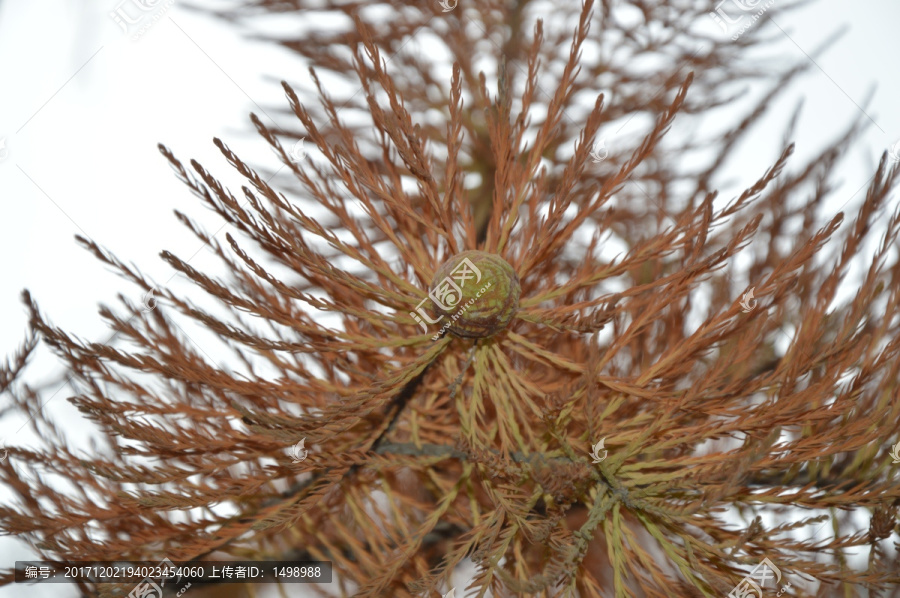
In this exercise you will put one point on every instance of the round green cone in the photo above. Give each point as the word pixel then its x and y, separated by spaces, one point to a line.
pixel 467 274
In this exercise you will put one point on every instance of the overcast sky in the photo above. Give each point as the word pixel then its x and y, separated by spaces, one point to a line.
pixel 84 105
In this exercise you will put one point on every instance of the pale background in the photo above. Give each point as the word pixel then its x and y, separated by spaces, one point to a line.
pixel 83 107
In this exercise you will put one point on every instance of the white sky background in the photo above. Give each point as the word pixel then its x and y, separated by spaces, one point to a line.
pixel 82 107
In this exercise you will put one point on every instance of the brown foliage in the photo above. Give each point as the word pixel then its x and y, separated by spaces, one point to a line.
pixel 426 453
